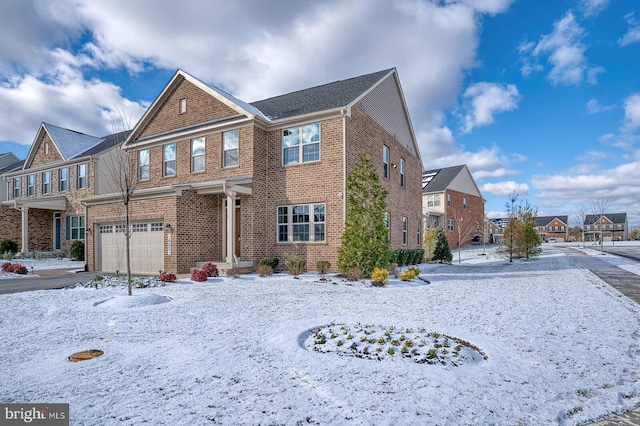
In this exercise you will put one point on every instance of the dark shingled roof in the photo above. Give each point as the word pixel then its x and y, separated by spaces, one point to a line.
pixel 11 167
pixel 613 217
pixel 545 220
pixel 320 98
pixel 107 142
pixel 442 178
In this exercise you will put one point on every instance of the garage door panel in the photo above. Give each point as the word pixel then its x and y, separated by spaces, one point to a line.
pixel 146 246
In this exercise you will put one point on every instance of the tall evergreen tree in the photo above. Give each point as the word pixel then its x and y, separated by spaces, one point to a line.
pixel 442 252
pixel 364 240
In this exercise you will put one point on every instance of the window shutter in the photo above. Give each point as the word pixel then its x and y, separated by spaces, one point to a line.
pixel 68 228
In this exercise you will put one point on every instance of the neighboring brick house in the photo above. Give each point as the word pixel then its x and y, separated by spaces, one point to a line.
pixel 222 180
pixel 9 217
pixel 553 227
pixel 495 231
pixel 451 200
pixel 609 227
pixel 46 189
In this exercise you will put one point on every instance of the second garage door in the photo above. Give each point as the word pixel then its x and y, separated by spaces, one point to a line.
pixel 147 248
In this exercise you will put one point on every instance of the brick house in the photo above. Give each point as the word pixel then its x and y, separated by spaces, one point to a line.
pixel 451 200
pixel 45 189
pixel 218 179
pixel 553 227
pixel 495 230
pixel 9 217
pixel 609 227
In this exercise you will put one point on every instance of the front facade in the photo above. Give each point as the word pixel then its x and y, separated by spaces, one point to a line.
pixel 43 194
pixel 451 200
pixel 218 179
pixel 9 217
pixel 553 228
pixel 606 227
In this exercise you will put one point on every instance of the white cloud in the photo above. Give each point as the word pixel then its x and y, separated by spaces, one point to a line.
pixel 593 156
pixel 565 53
pixel 632 112
pixel 593 7
pixel 633 34
pixel 487 6
pixel 503 189
pixel 483 100
pixel 594 107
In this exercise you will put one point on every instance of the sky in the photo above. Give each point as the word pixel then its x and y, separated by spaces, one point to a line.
pixel 540 97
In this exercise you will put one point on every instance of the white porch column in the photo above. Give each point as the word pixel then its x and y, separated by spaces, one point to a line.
pixel 231 227
pixel 25 230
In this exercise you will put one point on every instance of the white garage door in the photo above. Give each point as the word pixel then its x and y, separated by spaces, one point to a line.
pixel 147 248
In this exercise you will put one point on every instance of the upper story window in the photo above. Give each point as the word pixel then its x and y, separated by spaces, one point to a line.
pixel 448 199
pixel 402 180
pixel 464 202
pixel 16 187
pixel 197 154
pixel 301 144
pixel 450 224
pixel 385 161
pixel 169 160
pixel 183 105
pixel 82 179
pixel 31 185
pixel 304 222
pixel 433 200
pixel 230 148
pixel 143 164
pixel 63 179
pixel 46 182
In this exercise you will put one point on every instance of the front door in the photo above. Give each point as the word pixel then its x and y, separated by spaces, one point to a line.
pixel 238 237
pixel 56 231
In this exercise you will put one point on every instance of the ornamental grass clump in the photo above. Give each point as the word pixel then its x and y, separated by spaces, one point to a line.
pixel 323 267
pixel 295 265
pixel 379 277
pixel 264 270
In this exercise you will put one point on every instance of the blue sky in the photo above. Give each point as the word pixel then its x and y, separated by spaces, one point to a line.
pixel 540 97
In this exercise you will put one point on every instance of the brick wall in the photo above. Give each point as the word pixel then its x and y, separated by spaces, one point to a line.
pixel 473 213
pixel 11 220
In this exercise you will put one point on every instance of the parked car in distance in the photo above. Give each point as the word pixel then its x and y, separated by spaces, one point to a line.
pixel 552 240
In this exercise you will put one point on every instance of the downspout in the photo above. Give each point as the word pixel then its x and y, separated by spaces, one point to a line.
pixel 344 167
pixel 86 222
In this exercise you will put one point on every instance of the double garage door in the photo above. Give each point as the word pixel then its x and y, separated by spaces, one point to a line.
pixel 147 248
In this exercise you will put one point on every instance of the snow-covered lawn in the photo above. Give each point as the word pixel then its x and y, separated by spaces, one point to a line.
pixel 561 347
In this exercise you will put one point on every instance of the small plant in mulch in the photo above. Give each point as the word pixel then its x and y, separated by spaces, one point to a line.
pixel 211 269
pixel 234 272
pixel 323 266
pixel 355 274
pixel 199 275
pixel 379 277
pixel 270 261
pixel 167 277
pixel 295 265
pixel 264 270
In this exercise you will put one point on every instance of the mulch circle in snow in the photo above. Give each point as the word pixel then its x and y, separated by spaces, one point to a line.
pixel 85 355
pixel 386 343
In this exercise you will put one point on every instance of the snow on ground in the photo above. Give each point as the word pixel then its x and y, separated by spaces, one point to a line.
pixel 562 348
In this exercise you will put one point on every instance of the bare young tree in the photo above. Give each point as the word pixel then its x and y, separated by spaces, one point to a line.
pixel 599 210
pixel 581 213
pixel 464 226
pixel 124 179
pixel 511 230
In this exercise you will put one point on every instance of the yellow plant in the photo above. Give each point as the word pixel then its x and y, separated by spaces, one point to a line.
pixel 379 275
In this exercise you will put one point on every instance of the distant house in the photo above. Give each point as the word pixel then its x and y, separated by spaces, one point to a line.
pixel 495 230
pixel 62 166
pixel 451 200
pixel 606 227
pixel 9 216
pixel 553 228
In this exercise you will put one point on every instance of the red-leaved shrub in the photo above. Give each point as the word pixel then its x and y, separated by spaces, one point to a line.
pixel 199 275
pixel 167 277
pixel 15 268
pixel 211 269
pixel 7 267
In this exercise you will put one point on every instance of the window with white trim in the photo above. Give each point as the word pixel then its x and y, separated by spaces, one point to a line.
pixel 197 154
pixel 106 229
pixel 448 199
pixel 302 222
pixel 143 164
pixel 301 144
pixel 230 148
pixel 16 187
pixel 156 226
pixel 182 106
pixel 385 161
pixel 402 180
pixel 63 179
pixel 120 229
pixel 139 227
pixel 404 230
pixel 464 202
pixel 77 227
pixel 169 160
pixel 46 182
pixel 31 185
pixel 82 180
pixel 433 200
pixel 450 225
